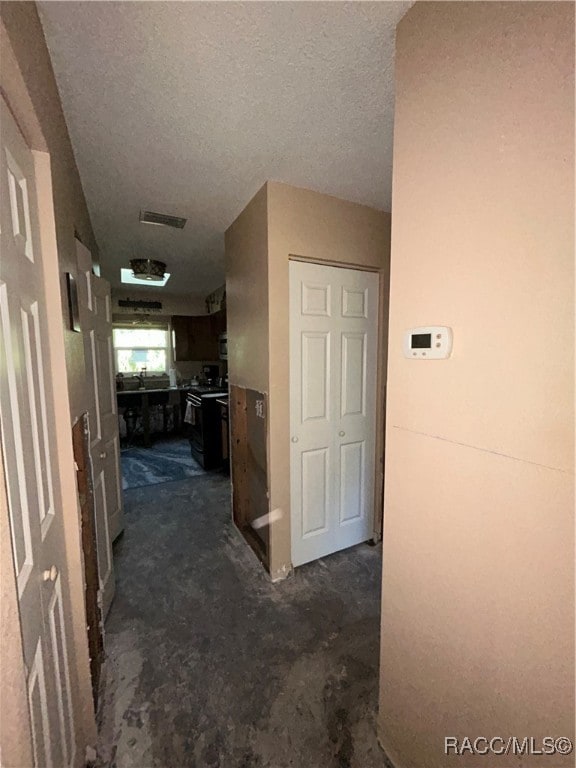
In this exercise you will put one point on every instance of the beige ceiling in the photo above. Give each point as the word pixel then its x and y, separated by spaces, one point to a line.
pixel 187 108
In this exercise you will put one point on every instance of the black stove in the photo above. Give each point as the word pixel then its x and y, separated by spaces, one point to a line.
pixel 201 389
pixel 203 425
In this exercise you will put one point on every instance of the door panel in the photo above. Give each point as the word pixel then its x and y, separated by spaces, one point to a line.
pixel 38 413
pixel 315 375
pixel 103 543
pixel 38 704
pixel 333 361
pixel 60 654
pixel 107 396
pixel 96 322
pixel 27 411
pixel 315 491
pixel 351 476
pixel 315 299
pixel 111 464
pixel 353 374
pixel 105 402
pixel 354 302
pixel 91 357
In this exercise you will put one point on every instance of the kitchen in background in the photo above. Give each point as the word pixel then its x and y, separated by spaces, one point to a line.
pixel 172 389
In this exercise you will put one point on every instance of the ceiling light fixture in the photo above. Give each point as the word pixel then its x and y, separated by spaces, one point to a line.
pixel 145 271
pixel 148 269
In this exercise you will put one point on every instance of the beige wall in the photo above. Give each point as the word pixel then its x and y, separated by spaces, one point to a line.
pixel 28 84
pixel 321 228
pixel 247 295
pixel 478 575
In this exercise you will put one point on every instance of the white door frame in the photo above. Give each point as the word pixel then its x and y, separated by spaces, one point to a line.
pixel 381 363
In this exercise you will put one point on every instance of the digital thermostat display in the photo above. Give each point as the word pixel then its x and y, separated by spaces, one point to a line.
pixel 432 342
pixel 421 340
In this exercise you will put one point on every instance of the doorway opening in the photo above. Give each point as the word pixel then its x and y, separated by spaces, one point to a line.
pixel 172 412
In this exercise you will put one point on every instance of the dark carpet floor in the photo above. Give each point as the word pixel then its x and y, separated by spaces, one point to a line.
pixel 164 462
pixel 210 665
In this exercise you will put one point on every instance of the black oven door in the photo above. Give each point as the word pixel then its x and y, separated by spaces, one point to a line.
pixel 194 420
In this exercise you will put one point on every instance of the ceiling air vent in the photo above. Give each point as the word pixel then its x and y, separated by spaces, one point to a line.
pixel 162 219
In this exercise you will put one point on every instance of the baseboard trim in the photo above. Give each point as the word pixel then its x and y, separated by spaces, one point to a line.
pixel 390 760
pixel 281 573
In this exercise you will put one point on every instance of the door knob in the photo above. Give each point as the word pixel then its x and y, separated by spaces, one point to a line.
pixel 341 433
pixel 51 574
pixel 294 439
pixel 103 455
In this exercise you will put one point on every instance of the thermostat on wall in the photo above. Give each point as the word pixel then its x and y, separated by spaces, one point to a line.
pixel 431 342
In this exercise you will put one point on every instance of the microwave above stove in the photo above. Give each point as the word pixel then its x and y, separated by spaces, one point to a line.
pixel 223 346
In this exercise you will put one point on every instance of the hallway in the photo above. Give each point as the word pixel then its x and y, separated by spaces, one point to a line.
pixel 209 664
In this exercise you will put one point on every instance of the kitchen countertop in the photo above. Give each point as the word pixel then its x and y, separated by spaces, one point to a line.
pixel 146 390
pixel 189 388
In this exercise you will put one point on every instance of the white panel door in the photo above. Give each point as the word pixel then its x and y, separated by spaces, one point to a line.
pixel 96 322
pixel 333 363
pixel 28 428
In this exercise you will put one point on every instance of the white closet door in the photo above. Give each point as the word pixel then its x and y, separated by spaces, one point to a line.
pixel 333 363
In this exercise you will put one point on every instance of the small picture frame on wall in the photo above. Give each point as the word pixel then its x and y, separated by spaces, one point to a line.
pixel 73 307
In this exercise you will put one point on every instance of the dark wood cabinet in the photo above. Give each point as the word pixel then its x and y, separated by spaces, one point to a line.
pixel 179 336
pixel 219 322
pixel 196 337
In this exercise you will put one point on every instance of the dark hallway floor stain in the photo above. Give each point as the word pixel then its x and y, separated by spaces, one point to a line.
pixel 210 665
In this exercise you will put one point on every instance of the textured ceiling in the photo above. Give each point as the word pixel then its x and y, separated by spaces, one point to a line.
pixel 188 108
